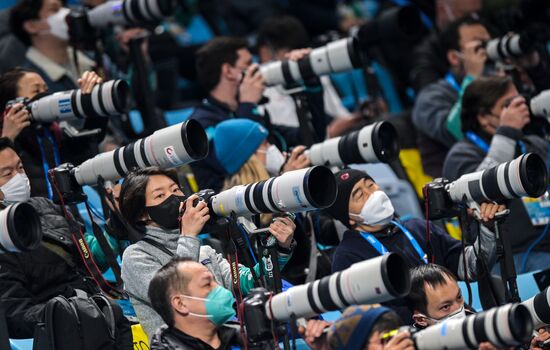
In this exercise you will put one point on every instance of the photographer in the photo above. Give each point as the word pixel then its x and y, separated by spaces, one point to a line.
pixel 235 87
pixel 276 38
pixel 42 146
pixel 32 278
pixel 493 116
pixel 41 25
pixel 151 201
pixel 360 327
pixel 193 306
pixel 462 41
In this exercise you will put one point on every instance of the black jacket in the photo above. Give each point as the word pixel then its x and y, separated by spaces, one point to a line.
pixel 169 338
pixel 28 280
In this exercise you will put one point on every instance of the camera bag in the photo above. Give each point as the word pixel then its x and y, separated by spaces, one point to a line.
pixel 83 322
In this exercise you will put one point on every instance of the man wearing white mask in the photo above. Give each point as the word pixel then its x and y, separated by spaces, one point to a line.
pixel 32 278
pixel 374 230
pixel 41 25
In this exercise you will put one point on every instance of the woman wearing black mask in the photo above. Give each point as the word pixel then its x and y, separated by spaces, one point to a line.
pixel 150 201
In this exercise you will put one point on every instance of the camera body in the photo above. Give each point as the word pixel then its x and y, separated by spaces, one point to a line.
pixel 440 204
pixel 258 325
pixel 68 190
pixel 24 100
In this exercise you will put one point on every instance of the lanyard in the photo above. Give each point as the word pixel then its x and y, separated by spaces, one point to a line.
pixel 376 244
pixel 479 142
pixel 452 81
pixel 45 165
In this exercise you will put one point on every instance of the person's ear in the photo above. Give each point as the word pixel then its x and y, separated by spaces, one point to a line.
pixel 227 72
pixel 179 304
pixel 420 320
pixel 32 26
pixel 454 58
pixel 482 120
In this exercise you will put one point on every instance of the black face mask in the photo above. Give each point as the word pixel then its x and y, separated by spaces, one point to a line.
pixel 166 214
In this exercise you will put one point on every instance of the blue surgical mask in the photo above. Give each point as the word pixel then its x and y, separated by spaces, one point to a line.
pixel 219 305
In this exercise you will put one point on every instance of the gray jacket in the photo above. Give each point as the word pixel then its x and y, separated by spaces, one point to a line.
pixel 142 260
pixel 465 157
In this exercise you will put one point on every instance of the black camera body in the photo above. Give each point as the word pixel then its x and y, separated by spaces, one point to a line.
pixel 24 100
pixel 66 188
pixel 81 32
pixel 258 325
pixel 440 204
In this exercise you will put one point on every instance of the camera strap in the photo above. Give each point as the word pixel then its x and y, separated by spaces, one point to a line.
pixel 380 248
pixel 484 146
pixel 45 165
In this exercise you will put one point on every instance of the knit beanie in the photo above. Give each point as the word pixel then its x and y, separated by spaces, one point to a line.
pixel 235 141
pixel 345 180
pixel 354 328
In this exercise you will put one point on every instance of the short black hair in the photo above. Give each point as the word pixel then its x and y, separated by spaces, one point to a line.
pixel 386 322
pixel 7 143
pixel 132 193
pixel 165 281
pixel 284 32
pixel 25 10
pixel 480 97
pixel 9 84
pixel 431 274
pixel 450 36
pixel 213 55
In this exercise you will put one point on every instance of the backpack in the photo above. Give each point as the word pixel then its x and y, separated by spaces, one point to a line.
pixel 83 322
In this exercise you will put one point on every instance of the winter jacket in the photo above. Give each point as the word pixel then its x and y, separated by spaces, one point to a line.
pixel 465 158
pixel 28 280
pixel 432 107
pixel 169 338
pixel 141 261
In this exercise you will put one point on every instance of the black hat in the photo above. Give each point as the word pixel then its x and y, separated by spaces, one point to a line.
pixel 345 180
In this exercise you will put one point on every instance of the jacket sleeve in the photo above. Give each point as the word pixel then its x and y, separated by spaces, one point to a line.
pixel 97 252
pixel 430 114
pixel 22 313
pixel 502 148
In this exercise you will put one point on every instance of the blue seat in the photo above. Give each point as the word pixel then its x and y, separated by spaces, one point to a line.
pixel 21 344
pixel 177 116
pixel 4 4
pixel 136 121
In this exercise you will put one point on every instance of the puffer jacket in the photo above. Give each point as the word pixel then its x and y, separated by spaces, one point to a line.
pixel 28 280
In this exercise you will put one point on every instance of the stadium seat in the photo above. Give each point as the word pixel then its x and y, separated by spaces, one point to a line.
pixel 21 344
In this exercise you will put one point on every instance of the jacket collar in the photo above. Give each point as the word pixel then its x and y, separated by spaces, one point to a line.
pixel 53 70
pixel 176 339
pixel 168 238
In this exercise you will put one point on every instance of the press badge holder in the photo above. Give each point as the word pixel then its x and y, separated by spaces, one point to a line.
pixel 538 209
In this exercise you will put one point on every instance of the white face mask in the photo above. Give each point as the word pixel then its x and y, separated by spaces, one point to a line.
pixel 274 160
pixel 377 210
pixel 458 314
pixel 58 24
pixel 18 189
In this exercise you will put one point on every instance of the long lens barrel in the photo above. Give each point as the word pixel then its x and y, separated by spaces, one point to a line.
pixel 167 148
pixel 523 176
pixel 508 46
pixel 105 100
pixel 539 308
pixel 505 326
pixel 372 281
pixel 20 228
pixel 294 191
pixel 540 104
pixel 372 144
pixel 337 56
pixel 122 12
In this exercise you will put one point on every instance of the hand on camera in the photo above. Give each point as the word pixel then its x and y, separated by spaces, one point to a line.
pixel 194 217
pixel 282 229
pixel 297 54
pixel 15 120
pixel 542 336
pixel 401 341
pixel 252 85
pixel 313 334
pixel 115 192
pixel 488 211
pixel 516 115
pixel 486 346
pixel 474 56
pixel 88 80
pixel 297 160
